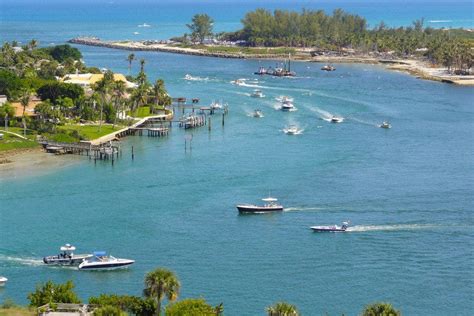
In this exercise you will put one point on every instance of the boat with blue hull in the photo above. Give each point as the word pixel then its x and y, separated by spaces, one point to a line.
pixel 101 261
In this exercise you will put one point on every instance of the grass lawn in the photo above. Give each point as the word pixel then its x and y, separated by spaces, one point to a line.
pixel 73 133
pixel 10 142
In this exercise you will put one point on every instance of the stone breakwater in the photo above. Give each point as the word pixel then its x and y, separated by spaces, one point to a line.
pixel 141 46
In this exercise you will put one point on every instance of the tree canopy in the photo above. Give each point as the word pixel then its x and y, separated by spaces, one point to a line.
pixel 192 306
pixel 50 292
pixel 380 309
pixel 201 27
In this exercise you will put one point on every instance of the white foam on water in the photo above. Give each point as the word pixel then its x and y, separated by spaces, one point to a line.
pixel 301 209
pixel 395 227
pixel 23 261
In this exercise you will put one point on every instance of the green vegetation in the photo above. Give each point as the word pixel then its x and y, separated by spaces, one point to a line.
pixel 10 141
pixel 380 309
pixel 192 306
pixel 32 71
pixel 200 27
pixel 50 292
pixel 159 284
pixel 282 309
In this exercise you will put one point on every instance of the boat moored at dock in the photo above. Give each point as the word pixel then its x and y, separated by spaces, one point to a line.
pixel 101 261
pixel 270 205
pixel 66 257
pixel 331 229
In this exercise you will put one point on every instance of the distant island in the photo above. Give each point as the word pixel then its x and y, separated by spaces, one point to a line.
pixel 436 54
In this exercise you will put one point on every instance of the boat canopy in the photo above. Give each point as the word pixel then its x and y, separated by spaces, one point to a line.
pixel 269 199
pixel 67 247
pixel 99 253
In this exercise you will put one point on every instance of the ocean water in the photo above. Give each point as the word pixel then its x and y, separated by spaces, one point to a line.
pixel 53 22
pixel 407 192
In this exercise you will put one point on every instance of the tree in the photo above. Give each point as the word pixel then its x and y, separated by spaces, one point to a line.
pixel 55 90
pixel 160 96
pixel 6 111
pixel 32 44
pixel 63 52
pixel 130 304
pixel 108 310
pixel 53 293
pixel 380 309
pixel 193 306
pixel 130 59
pixel 118 97
pixel 159 284
pixel 282 309
pixel 201 27
pixel 24 100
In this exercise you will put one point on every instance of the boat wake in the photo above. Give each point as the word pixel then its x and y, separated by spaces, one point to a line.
pixel 301 209
pixel 21 261
pixel 322 114
pixel 364 122
pixel 397 227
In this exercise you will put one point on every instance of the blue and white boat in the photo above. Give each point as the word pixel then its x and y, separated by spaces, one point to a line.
pixel 3 280
pixel 101 261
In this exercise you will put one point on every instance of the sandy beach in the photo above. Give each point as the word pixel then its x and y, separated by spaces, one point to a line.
pixel 33 161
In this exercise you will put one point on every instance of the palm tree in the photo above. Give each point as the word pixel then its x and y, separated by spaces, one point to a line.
pixel 24 100
pixel 380 309
pixel 160 95
pixel 119 93
pixel 160 283
pixel 142 65
pixel 130 59
pixel 282 309
pixel 33 44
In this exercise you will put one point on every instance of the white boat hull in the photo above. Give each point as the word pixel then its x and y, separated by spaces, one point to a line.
pixel 109 265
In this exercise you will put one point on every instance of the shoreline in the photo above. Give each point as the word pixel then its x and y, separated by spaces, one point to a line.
pixel 417 68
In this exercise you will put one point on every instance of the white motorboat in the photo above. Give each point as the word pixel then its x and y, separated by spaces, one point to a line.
pixel 291 130
pixel 331 229
pixel 188 77
pixel 3 280
pixel 385 124
pixel 328 68
pixel 270 205
pixel 144 25
pixel 238 82
pixel 101 261
pixel 257 94
pixel 337 119
pixel 257 113
pixel 287 106
pixel 66 257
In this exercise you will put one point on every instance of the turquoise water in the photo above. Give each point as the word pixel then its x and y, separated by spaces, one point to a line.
pixel 407 191
pixel 57 21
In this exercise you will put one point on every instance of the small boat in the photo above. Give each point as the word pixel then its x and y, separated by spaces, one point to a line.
pixel 66 257
pixel 100 261
pixel 291 130
pixel 261 71
pixel 270 205
pixel 257 113
pixel 144 25
pixel 337 119
pixel 3 280
pixel 328 68
pixel 257 94
pixel 238 82
pixel 385 124
pixel 331 229
pixel 188 77
pixel 287 106
pixel 136 33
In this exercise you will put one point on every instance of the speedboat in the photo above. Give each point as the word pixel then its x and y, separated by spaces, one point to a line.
pixel 291 130
pixel 257 113
pixel 66 257
pixel 385 124
pixel 101 261
pixel 328 68
pixel 238 82
pixel 3 280
pixel 270 205
pixel 331 229
pixel 287 106
pixel 188 77
pixel 257 94
pixel 337 119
